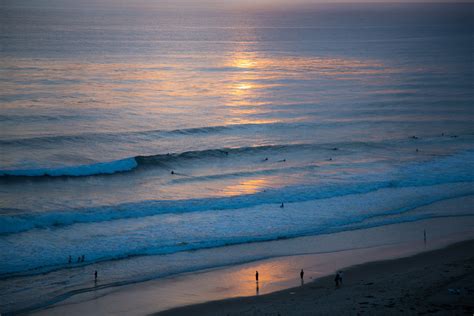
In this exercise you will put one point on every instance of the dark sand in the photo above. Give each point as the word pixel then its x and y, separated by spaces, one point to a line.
pixel 439 282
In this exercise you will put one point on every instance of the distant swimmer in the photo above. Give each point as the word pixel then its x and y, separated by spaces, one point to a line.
pixel 95 275
pixel 69 259
pixel 226 152
pixel 335 148
pixel 172 172
pixel 256 276
pixel 442 134
pixel 282 205
pixel 283 160
pixel 266 159
pixel 330 159
pixel 417 150
pixel 414 137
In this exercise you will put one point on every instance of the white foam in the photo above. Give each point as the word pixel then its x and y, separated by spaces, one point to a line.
pixel 77 171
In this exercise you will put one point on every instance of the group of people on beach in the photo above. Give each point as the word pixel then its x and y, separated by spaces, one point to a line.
pixel 337 279
pixel 79 259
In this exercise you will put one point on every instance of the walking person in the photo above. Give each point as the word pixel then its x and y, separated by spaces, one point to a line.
pixel 256 276
pixel 338 279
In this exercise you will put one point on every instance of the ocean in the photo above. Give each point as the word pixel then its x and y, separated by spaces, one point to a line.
pixel 139 134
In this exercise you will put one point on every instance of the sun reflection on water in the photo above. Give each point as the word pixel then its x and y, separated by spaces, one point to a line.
pixel 246 186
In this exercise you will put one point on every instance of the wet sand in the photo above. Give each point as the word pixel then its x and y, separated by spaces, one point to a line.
pixel 437 282
pixel 401 284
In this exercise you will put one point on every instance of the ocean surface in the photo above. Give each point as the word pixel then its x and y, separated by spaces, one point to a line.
pixel 139 134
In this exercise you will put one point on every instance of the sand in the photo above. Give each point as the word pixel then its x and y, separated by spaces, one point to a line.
pixel 435 282
pixel 401 284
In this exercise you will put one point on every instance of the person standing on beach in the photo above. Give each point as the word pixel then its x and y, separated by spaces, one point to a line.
pixel 302 274
pixel 424 235
pixel 338 279
pixel 256 276
pixel 95 276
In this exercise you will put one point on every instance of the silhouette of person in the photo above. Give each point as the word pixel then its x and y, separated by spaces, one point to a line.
pixel 172 172
pixel 83 258
pixel 302 274
pixel 282 205
pixel 78 259
pixel 338 279
pixel 424 235
pixel 256 276
pixel 95 276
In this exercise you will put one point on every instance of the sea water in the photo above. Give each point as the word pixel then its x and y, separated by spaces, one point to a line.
pixel 137 134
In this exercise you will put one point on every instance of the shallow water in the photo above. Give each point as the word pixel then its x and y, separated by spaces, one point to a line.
pixel 346 114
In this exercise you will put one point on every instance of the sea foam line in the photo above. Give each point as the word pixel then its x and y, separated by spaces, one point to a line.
pixel 99 168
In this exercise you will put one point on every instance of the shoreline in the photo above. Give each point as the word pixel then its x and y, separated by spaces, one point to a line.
pixel 408 285
pixel 330 253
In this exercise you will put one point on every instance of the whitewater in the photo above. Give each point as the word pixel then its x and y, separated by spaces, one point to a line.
pixel 149 139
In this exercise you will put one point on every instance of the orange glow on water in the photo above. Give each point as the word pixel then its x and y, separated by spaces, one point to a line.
pixel 246 186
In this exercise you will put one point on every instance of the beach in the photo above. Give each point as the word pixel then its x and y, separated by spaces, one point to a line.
pixel 155 154
pixel 320 257
pixel 439 282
